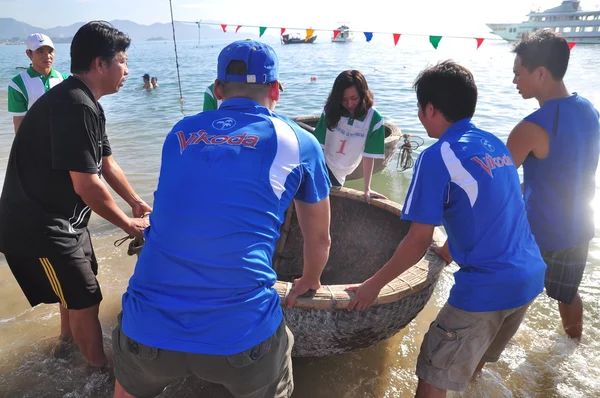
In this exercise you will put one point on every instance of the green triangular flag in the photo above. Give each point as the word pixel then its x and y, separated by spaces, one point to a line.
pixel 435 41
pixel 262 30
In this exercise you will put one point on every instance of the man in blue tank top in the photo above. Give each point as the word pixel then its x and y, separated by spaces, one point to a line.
pixel 201 300
pixel 558 147
pixel 466 181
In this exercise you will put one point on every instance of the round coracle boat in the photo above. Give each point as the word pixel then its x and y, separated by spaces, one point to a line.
pixel 393 134
pixel 363 238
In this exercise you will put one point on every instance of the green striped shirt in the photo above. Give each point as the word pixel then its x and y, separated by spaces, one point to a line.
pixel 29 85
pixel 210 100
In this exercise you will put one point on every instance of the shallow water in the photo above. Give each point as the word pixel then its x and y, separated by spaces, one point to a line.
pixel 540 361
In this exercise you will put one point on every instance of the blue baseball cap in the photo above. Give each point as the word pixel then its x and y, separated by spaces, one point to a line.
pixel 262 65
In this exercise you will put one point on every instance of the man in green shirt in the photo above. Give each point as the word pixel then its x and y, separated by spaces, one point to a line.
pixel 29 85
pixel 210 99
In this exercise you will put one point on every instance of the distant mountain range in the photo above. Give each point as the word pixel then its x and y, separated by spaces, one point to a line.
pixel 12 30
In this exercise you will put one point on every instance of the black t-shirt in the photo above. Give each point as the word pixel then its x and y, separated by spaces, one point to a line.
pixel 40 213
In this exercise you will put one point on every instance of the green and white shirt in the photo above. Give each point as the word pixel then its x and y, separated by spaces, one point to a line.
pixel 29 85
pixel 350 141
pixel 210 100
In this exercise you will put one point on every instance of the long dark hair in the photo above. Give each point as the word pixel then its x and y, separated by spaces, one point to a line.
pixel 334 108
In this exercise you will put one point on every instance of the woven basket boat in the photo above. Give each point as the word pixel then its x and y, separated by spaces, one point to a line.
pixel 393 134
pixel 363 237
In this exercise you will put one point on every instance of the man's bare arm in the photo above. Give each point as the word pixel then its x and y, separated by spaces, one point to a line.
pixel 314 220
pixel 17 122
pixel 527 138
pixel 95 194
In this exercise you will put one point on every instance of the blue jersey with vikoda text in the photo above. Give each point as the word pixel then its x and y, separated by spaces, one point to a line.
pixel 559 189
pixel 467 181
pixel 204 279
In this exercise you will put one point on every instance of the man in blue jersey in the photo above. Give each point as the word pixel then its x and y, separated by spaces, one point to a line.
pixel 201 300
pixel 558 146
pixel 466 181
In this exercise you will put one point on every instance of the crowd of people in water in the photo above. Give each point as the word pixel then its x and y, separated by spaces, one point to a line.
pixel 201 299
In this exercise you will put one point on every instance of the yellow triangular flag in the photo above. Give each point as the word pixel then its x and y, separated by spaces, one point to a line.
pixel 309 33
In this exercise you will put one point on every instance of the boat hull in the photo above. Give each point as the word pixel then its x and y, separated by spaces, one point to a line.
pixel 393 134
pixel 363 238
pixel 310 40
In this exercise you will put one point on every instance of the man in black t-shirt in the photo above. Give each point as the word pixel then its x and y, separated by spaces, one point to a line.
pixel 53 184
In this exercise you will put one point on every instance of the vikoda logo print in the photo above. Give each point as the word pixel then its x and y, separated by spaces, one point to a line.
pixel 489 163
pixel 198 137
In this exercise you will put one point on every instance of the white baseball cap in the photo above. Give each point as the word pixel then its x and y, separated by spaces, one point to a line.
pixel 37 40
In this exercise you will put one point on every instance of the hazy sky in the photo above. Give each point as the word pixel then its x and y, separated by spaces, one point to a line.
pixel 434 16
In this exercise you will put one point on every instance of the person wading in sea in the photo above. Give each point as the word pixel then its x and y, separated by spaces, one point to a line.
pixel 29 85
pixel 201 300
pixel 558 146
pixel 53 184
pixel 467 182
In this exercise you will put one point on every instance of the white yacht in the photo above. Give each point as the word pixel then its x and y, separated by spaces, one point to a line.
pixel 568 19
pixel 344 36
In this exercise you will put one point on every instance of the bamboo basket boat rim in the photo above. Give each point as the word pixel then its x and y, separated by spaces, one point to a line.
pixel 413 280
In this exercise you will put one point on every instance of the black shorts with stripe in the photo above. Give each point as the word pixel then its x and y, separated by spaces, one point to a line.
pixel 564 271
pixel 66 279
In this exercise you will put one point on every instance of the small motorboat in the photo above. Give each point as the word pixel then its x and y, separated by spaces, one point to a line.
pixel 297 39
pixel 344 35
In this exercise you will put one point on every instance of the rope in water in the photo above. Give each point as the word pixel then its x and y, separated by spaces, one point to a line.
pixel 176 58
pixel 405 160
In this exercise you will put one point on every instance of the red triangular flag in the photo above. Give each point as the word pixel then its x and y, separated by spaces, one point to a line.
pixel 282 31
pixel 479 41
pixel 396 38
pixel 571 45
pixel 335 33
pixel 224 27
pixel 238 28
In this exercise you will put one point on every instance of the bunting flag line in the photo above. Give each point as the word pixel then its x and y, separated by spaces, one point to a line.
pixel 433 39
pixel 571 44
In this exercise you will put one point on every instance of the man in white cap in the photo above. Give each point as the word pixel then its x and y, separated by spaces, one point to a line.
pixel 29 85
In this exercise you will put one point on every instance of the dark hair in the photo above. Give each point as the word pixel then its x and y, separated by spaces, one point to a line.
pixel 449 88
pixel 544 48
pixel 96 39
pixel 334 108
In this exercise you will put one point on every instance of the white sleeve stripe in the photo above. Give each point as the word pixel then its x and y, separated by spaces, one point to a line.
pixel 17 113
pixel 14 86
pixel 415 179
pixel 378 125
pixel 287 157
pixel 458 174
pixel 209 92
pixel 374 156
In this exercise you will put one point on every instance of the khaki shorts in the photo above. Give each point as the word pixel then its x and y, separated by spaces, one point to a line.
pixel 263 371
pixel 458 340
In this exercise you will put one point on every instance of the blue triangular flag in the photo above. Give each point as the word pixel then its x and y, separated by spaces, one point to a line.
pixel 369 36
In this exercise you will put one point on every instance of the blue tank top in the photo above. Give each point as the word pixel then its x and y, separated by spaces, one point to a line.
pixel 559 188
